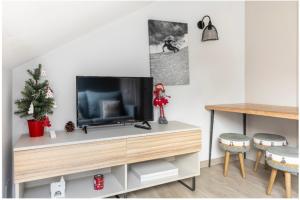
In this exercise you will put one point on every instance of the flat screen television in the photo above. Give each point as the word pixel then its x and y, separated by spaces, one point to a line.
pixel 113 100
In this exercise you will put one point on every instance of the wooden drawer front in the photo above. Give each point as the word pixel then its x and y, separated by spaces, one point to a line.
pixel 55 161
pixel 163 145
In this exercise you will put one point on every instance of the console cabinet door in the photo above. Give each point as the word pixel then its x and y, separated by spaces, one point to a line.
pixel 67 159
pixel 162 145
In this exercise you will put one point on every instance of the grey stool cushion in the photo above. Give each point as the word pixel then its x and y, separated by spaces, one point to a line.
pixel 264 140
pixel 283 158
pixel 234 142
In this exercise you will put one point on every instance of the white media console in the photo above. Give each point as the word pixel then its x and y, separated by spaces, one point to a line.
pixel 111 151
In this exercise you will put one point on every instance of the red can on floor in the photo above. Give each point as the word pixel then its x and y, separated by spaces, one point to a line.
pixel 98 182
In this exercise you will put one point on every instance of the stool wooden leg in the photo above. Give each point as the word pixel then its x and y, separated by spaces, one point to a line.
pixel 226 162
pixel 271 181
pixel 258 157
pixel 288 184
pixel 241 158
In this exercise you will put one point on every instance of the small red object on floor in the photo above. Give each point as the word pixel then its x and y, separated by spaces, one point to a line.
pixel 98 182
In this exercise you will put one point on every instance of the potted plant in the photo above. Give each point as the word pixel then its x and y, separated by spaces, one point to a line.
pixel 36 103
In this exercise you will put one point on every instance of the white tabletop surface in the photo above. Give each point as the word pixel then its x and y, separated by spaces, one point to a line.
pixel 98 134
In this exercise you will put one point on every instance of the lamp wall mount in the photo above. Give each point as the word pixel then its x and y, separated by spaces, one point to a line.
pixel 201 23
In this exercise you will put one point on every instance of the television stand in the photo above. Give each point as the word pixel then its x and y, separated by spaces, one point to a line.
pixel 111 151
pixel 147 126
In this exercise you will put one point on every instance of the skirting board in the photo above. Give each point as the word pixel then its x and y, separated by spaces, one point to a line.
pixel 216 161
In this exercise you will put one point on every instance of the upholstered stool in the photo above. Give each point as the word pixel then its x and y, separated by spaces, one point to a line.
pixel 283 158
pixel 234 143
pixel 261 141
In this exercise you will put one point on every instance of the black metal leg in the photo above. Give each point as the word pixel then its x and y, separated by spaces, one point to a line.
pixel 244 128
pixel 124 196
pixel 193 188
pixel 211 135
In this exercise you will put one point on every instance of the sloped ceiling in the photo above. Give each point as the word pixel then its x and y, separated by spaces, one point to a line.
pixel 30 29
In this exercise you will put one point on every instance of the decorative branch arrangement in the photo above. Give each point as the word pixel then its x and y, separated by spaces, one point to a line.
pixel 37 102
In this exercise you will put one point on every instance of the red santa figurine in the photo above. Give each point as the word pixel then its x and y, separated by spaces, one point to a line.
pixel 160 100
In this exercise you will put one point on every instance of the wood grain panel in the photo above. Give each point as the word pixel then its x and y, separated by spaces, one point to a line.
pixel 55 161
pixel 285 112
pixel 162 145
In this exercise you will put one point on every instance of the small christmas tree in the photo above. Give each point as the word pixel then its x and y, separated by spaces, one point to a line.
pixel 37 100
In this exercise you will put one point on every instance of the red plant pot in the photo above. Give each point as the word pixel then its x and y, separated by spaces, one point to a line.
pixel 36 128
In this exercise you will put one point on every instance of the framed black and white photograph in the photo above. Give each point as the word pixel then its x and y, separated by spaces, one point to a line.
pixel 169 60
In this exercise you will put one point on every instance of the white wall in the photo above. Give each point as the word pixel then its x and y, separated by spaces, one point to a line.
pixel 6 132
pixel 271 52
pixel 121 49
pixel 24 39
pixel 272 63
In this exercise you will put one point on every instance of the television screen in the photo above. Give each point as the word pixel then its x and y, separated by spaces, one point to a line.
pixel 113 100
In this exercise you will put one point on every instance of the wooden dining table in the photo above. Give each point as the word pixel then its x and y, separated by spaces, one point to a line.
pixel 283 112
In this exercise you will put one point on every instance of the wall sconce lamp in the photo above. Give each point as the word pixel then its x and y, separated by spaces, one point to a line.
pixel 210 32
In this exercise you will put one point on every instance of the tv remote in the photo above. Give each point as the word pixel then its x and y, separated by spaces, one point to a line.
pixel 141 126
